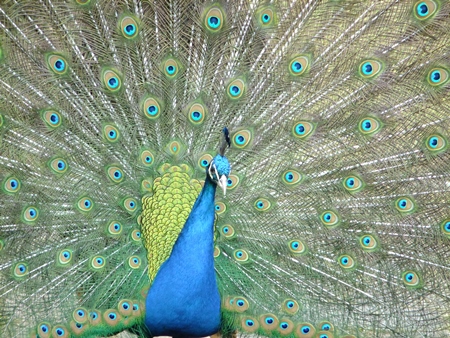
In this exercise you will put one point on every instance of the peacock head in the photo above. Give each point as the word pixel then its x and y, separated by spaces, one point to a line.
pixel 219 169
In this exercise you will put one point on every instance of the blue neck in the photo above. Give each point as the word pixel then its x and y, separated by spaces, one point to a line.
pixel 183 300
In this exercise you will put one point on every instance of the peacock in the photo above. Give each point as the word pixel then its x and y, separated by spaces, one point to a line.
pixel 224 167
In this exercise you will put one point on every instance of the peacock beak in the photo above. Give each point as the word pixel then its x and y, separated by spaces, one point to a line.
pixel 223 184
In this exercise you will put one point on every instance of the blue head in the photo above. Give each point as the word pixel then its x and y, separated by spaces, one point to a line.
pixel 219 170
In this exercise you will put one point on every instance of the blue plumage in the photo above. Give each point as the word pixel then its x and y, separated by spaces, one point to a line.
pixel 184 299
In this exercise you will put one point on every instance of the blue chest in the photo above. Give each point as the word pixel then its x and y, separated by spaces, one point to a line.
pixel 184 299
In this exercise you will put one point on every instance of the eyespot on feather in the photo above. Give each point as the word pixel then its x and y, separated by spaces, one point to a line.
pixel 11 185
pixel 134 262
pixel 290 306
pixel 369 69
pixel 30 214
pixel 241 256
pixel 242 138
pixel 58 165
pixel 85 204
pixel 197 114
pixel 249 324
pixel 425 9
pixel 64 257
pixel 236 89
pixel 129 27
pixel 330 219
pixel 111 133
pixel 112 80
pixel 214 19
pixel 369 126
pixel 268 322
pixel 51 117
pixel 262 204
pixel 57 64
pixel 298 65
pixel 302 129
pixel 305 330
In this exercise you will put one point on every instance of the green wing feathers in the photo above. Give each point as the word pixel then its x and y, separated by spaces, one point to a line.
pixel 337 218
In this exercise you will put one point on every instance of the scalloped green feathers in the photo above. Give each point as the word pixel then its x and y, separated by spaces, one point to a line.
pixel 164 202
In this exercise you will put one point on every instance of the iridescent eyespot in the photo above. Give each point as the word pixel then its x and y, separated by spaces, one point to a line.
pixel 240 304
pixel 232 182
pixel 171 68
pixel 290 306
pixel 305 330
pixel 214 19
pixel 130 204
pixel 411 279
pixel 269 321
pixel 115 174
pixel 58 165
pixel 129 27
pixel 445 227
pixel 353 183
pixel 227 231
pixel 44 330
pixel 85 204
pixel 136 235
pixel 216 252
pixel 57 64
pixel 297 247
pixel 326 326
pixel 30 214
pixel 405 205
pixel 134 262
pixel 20 270
pixel 12 185
pixel 266 17
pixel 95 317
pixel 437 76
pixel 425 9
pixel 204 161
pixel 111 133
pixel 112 80
pixel 236 89
pixel 330 219
pixel 60 331
pixel 111 317
pixel 83 2
pixel 151 108
pixel 64 257
pixel 98 262
pixel 220 208
pixel 175 148
pixel 114 228
pixel 369 126
pixel 51 117
pixel 436 143
pixel 241 255
pixel 298 65
pixel 242 138
pixel 197 114
pixel 291 177
pixel 286 326
pixel 249 324
pixel 147 158
pixel 370 68
pixel 368 243
pixel 262 204
pixel 125 307
pixel 346 261
pixel 80 315
pixel 302 129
